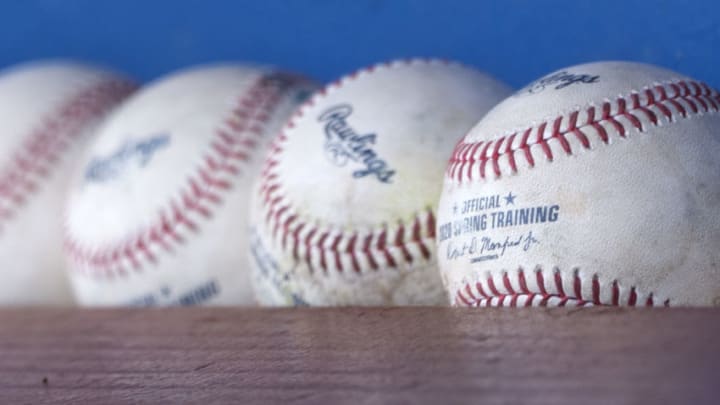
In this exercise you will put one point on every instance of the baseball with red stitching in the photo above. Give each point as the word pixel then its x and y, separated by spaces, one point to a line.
pixel 598 184
pixel 157 212
pixel 49 111
pixel 344 210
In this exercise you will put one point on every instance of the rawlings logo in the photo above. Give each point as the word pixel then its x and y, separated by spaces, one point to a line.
pixel 342 144
pixel 560 80
pixel 104 169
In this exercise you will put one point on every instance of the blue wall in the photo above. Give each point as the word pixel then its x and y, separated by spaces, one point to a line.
pixel 515 40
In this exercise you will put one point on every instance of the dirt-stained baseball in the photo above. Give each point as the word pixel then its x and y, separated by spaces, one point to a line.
pixel 344 210
pixel 49 111
pixel 157 213
pixel 598 184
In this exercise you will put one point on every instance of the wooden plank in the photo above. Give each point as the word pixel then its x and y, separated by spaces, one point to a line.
pixel 357 355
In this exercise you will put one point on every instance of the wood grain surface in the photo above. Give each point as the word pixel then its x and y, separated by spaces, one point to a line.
pixel 360 356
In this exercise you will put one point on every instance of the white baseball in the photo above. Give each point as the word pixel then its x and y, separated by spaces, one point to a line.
pixel 157 214
pixel 49 110
pixel 596 185
pixel 343 212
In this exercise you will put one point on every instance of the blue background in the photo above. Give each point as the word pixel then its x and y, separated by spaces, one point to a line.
pixel 516 40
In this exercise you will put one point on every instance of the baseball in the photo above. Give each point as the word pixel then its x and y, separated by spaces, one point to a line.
pixel 596 185
pixel 157 212
pixel 49 110
pixel 344 210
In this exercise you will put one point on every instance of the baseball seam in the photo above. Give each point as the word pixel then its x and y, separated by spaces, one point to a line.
pixel 543 290
pixel 231 146
pixel 329 248
pixel 32 163
pixel 579 128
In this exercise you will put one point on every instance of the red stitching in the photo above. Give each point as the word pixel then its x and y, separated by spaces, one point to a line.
pixel 476 295
pixel 42 149
pixel 381 247
pixel 230 148
pixel 668 100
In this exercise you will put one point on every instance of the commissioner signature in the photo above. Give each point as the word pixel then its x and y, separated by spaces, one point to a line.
pixel 485 248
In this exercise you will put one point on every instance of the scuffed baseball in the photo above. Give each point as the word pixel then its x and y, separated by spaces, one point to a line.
pixel 157 212
pixel 49 111
pixel 598 184
pixel 344 210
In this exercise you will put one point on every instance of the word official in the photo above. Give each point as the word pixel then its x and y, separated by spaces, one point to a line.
pixel 480 204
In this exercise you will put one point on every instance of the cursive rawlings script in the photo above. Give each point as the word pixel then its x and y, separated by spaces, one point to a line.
pixel 344 144
pixel 560 80
pixel 107 168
